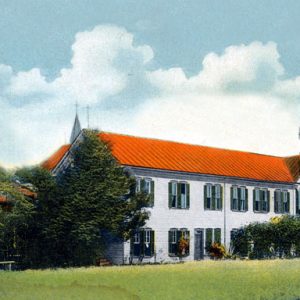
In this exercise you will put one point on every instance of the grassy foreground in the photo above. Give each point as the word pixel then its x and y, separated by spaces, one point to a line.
pixel 278 279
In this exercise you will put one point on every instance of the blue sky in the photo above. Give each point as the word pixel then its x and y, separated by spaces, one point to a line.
pixel 221 73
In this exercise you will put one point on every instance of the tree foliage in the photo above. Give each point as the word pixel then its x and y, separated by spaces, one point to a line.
pixel 74 214
pixel 280 237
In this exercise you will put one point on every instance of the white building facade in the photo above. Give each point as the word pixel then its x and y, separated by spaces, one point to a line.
pixel 200 207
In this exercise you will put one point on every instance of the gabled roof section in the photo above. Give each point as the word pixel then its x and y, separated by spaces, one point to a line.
pixel 293 163
pixel 55 158
pixel 175 156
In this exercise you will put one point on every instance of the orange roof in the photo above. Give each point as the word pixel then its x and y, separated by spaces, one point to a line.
pixel 174 156
pixel 55 158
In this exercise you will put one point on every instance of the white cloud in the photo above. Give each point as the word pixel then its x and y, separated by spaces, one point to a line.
pixel 237 100
pixel 253 67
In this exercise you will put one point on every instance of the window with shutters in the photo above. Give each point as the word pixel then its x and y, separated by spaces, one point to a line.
pixel 261 200
pixel 239 198
pixel 179 195
pixel 213 196
pixel 179 241
pixel 137 238
pixel 281 201
pixel 145 185
pixel 212 235
pixel 142 243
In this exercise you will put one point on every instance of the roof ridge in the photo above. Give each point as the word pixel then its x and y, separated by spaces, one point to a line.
pixel 195 145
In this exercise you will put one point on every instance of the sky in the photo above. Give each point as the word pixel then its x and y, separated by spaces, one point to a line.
pixel 218 73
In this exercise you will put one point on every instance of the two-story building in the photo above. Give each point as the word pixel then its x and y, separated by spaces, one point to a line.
pixel 199 193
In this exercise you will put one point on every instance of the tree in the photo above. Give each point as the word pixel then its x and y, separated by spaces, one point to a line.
pixel 14 224
pixel 98 197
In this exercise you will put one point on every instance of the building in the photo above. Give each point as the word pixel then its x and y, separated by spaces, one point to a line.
pixel 199 193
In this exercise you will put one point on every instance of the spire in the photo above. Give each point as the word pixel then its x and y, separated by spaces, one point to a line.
pixel 76 128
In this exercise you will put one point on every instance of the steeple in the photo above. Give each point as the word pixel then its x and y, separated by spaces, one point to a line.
pixel 76 128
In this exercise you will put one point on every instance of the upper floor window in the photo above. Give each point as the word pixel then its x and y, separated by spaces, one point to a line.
pixel 281 201
pixel 261 200
pixel 179 194
pixel 145 185
pixel 213 195
pixel 239 198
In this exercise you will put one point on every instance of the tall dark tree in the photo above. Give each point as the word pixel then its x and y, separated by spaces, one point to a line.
pixel 98 196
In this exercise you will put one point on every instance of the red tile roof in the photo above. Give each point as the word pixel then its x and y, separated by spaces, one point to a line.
pixel 174 156
pixel 55 158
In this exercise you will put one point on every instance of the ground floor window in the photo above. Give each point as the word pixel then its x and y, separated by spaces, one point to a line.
pixel 212 235
pixel 142 243
pixel 179 242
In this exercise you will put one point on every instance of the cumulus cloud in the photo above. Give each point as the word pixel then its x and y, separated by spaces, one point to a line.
pixel 239 99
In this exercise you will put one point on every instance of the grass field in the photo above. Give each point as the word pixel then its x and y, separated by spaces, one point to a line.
pixel 278 279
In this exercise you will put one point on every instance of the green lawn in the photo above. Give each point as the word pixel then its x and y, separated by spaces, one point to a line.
pixel 278 279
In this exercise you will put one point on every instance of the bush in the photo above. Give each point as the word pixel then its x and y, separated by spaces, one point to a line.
pixel 217 251
pixel 280 237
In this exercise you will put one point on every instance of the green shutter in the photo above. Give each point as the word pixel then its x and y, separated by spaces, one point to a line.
pixel 142 241
pixel 297 201
pixel 231 198
pixel 208 238
pixel 188 250
pixel 152 242
pixel 187 195
pixel 253 200
pixel 143 185
pixel 246 204
pixel 205 196
pixel 170 242
pixel 239 198
pixel 131 244
pixel 178 236
pixel 268 200
pixel 178 195
pixel 152 193
pixel 213 197
pixel 275 201
pixel 218 235
pixel 221 197
pixel 170 194
pixel 288 202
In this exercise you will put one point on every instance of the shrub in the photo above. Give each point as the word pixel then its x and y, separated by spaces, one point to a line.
pixel 217 251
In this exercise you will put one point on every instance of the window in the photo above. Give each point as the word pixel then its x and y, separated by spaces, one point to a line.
pixel 142 243
pixel 175 237
pixel 179 194
pixel 137 238
pixel 145 185
pixel 213 196
pixel 239 198
pixel 218 197
pixel 261 200
pixel 281 201
pixel 212 235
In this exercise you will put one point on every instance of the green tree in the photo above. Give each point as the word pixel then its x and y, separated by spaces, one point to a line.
pixel 14 224
pixel 98 197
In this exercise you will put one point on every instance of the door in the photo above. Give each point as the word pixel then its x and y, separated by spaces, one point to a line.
pixel 199 244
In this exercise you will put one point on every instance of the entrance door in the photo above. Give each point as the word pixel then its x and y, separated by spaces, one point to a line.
pixel 199 244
